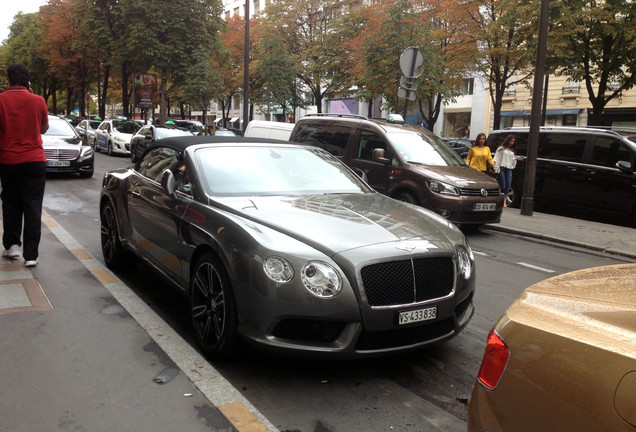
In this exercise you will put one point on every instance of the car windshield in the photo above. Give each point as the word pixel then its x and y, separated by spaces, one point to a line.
pixel 59 127
pixel 165 132
pixel 420 148
pixel 127 127
pixel 246 171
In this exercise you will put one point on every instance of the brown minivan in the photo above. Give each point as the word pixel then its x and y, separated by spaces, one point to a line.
pixel 407 163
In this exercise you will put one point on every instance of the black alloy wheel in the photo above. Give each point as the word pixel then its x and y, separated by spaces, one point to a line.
pixel 133 158
pixel 214 316
pixel 110 148
pixel 112 249
pixel 95 147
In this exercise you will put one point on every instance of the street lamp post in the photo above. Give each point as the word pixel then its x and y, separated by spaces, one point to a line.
pixel 246 72
pixel 527 202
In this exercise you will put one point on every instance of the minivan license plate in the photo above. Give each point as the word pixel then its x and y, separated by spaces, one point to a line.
pixel 417 315
pixel 484 206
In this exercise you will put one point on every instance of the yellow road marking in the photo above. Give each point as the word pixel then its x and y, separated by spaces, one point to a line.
pixel 81 254
pixel 241 418
pixel 103 276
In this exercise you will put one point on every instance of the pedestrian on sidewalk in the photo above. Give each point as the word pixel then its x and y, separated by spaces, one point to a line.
pixel 23 120
pixel 506 161
pixel 479 156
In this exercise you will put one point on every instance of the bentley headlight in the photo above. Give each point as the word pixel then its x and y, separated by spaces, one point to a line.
pixel 442 188
pixel 278 269
pixel 321 279
pixel 465 261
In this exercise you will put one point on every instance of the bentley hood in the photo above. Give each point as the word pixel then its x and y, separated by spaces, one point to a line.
pixel 349 221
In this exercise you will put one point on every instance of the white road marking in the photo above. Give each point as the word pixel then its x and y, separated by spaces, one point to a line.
pixel 536 267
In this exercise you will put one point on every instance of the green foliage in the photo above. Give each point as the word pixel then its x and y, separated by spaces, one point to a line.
pixel 273 76
pixel 595 42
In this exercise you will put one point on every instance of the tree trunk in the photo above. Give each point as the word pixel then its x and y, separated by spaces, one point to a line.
pixel 124 89
pixel 162 101
pixel 104 90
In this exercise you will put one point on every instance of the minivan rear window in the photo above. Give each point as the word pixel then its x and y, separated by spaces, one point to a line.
pixel 423 149
pixel 332 138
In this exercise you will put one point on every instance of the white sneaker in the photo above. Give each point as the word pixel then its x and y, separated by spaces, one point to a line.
pixel 12 252
pixel 31 263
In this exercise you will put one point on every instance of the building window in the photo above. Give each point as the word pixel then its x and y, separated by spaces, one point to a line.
pixel 257 6
pixel 569 119
pixel 236 11
pixel 467 86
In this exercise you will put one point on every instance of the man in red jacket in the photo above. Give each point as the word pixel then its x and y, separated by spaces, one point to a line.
pixel 23 119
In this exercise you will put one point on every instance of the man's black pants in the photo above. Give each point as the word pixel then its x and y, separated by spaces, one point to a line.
pixel 22 195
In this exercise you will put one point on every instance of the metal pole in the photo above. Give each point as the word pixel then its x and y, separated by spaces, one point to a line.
pixel 527 202
pixel 246 72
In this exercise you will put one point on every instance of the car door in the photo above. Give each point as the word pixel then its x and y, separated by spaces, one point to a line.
pixel 378 173
pixel 560 172
pixel 101 135
pixel 608 189
pixel 155 214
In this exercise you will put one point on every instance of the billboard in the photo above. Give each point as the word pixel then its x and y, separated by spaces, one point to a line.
pixel 146 90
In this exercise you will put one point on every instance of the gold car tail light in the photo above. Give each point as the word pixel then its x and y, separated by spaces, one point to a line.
pixel 495 361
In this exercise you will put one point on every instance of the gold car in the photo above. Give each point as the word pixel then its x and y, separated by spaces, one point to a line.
pixel 563 357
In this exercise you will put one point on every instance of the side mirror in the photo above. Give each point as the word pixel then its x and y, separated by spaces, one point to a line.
pixel 624 166
pixel 378 156
pixel 168 183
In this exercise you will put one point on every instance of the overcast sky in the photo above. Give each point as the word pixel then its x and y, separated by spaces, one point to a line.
pixel 10 8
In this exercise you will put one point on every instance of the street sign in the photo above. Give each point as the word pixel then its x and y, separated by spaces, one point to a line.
pixel 408 83
pixel 406 94
pixel 412 62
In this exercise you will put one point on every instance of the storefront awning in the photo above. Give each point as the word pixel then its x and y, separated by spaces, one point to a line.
pixel 234 119
pixel 526 113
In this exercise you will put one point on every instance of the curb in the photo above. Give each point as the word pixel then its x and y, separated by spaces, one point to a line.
pixel 561 240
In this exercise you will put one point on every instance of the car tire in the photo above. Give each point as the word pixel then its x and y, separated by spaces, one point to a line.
pixel 112 249
pixel 213 309
pixel 110 148
pixel 406 197
pixel 95 147
pixel 133 158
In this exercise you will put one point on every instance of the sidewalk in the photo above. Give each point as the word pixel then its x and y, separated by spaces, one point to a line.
pixel 596 236
pixel 81 352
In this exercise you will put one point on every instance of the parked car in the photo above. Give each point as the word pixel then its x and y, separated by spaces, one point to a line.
pixel 284 246
pixel 407 163
pixel 193 126
pixel 582 172
pixel 148 135
pixel 224 132
pixel 461 146
pixel 114 136
pixel 64 150
pixel 86 130
pixel 269 129
pixel 562 358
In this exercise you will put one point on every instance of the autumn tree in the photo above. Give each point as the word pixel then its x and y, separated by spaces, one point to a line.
pixel 229 60
pixel 273 77
pixel 65 49
pixel 308 30
pixel 504 31
pixel 23 46
pixel 595 42
pixel 202 83
pixel 171 32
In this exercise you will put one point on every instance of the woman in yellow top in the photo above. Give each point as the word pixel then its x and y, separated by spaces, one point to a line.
pixel 479 156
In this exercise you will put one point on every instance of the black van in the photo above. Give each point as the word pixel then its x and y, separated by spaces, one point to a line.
pixel 581 172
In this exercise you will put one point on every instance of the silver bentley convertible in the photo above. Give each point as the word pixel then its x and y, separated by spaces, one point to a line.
pixel 283 246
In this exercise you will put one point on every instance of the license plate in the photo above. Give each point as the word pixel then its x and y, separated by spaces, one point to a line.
pixel 417 315
pixel 484 206
pixel 57 163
